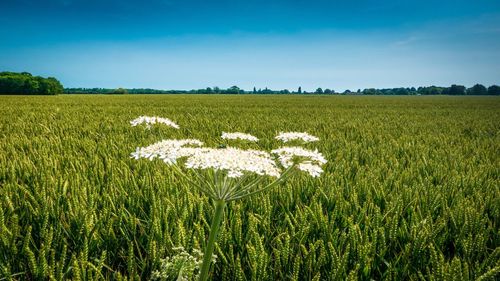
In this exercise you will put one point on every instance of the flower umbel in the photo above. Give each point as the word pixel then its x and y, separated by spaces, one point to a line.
pixel 235 161
pixel 232 160
pixel 290 136
pixel 168 150
pixel 308 161
pixel 151 120
pixel 237 135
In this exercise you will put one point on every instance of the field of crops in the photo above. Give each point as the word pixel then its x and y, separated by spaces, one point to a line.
pixel 411 190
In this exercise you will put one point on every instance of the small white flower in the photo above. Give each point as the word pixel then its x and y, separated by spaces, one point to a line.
pixel 151 120
pixel 289 136
pixel 311 160
pixel 237 135
pixel 313 170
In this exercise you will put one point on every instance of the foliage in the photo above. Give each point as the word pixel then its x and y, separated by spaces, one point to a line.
pixel 410 191
pixel 119 91
pixel 455 90
pixel 26 84
pixel 477 90
pixel 431 90
pixel 494 90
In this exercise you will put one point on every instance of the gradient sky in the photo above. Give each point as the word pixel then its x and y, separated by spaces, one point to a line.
pixel 171 44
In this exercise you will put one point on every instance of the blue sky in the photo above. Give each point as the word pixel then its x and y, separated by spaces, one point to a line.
pixel 170 44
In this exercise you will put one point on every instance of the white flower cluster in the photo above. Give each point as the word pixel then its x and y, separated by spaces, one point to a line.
pixel 233 160
pixel 148 120
pixel 237 135
pixel 182 266
pixel 311 164
pixel 167 150
pixel 312 169
pixel 289 136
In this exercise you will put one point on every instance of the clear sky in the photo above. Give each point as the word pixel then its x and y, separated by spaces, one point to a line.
pixel 186 44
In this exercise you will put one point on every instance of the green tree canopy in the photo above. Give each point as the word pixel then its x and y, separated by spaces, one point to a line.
pixel 477 89
pixel 455 90
pixel 494 90
pixel 26 84
pixel 120 91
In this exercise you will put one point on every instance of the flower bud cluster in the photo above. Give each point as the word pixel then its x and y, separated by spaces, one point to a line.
pixel 237 135
pixel 290 136
pixel 148 120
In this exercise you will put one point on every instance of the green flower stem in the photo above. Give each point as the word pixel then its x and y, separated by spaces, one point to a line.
pixel 214 230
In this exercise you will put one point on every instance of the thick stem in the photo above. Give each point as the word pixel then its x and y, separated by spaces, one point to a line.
pixel 214 230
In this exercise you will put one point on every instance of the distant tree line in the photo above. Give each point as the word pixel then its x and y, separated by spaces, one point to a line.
pixel 454 90
pixel 458 90
pixel 24 83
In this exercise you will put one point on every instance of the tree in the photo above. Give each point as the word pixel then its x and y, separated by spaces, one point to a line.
pixel 233 90
pixel 24 83
pixel 477 89
pixel 370 91
pixel 300 90
pixel 494 90
pixel 319 91
pixel 432 90
pixel 54 86
pixel 267 91
pixel 119 91
pixel 32 86
pixel 254 90
pixel 10 84
pixel 455 90
pixel 401 91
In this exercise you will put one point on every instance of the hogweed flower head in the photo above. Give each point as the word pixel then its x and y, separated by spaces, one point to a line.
pixel 308 160
pixel 230 178
pixel 237 135
pixel 151 120
pixel 168 150
pixel 234 161
pixel 290 136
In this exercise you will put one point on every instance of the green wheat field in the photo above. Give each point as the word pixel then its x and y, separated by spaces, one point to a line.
pixel 411 190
